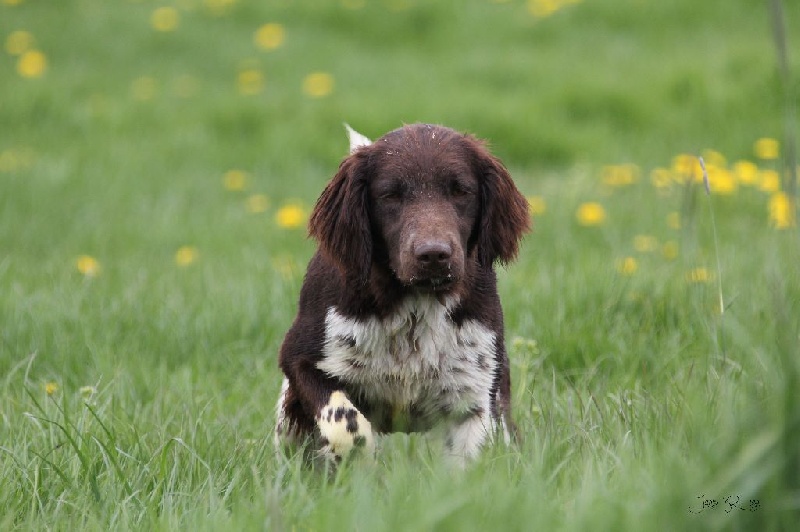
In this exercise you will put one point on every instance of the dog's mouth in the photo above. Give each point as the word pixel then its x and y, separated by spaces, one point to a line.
pixel 433 284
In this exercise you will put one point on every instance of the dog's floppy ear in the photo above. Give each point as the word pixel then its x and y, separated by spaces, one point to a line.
pixel 504 216
pixel 340 221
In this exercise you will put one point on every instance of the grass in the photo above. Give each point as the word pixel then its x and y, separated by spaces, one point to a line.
pixel 141 397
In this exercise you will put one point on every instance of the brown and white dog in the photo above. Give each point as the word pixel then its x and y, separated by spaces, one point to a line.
pixel 399 326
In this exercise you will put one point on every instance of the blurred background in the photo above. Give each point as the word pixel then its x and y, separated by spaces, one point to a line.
pixel 159 159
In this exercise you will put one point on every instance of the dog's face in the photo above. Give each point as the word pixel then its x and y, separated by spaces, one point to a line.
pixel 424 202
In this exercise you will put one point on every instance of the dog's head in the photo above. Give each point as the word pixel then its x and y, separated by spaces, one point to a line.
pixel 424 202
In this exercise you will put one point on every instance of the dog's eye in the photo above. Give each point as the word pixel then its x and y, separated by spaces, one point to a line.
pixel 458 189
pixel 394 193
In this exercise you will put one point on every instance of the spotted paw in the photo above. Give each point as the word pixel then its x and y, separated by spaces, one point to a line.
pixel 343 428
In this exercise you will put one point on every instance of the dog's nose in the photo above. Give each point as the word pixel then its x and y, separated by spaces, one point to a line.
pixel 433 254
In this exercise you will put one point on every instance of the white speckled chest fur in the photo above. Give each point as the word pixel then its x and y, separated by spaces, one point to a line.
pixel 415 359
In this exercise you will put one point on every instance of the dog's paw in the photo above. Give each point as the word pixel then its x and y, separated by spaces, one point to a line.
pixel 343 428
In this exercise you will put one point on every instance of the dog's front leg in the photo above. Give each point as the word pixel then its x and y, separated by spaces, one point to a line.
pixel 342 428
pixel 312 401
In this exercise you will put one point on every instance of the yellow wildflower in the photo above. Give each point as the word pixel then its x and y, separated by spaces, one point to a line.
pixel 645 243
pixel 186 255
pixel 661 178
pixel 686 167
pixel 50 388
pixel 8 161
pixel 670 250
pixel 235 180
pixel 291 216
pixel 144 88
pixel 257 203
pixel 32 64
pixel 318 84
pixel 591 213
pixel 766 148
pixel 627 266
pixel 165 19
pixel 270 36
pixel 781 211
pixel 746 172
pixel 543 8
pixel 250 81
pixel 219 7
pixel 698 275
pixel 18 42
pixel 770 181
pixel 720 180
pixel 619 175
pixel 536 205
pixel 88 266
pixel 714 158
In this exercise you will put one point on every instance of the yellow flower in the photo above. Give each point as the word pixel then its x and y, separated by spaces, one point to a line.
pixel 661 178
pixel 620 175
pixel 270 36
pixel 235 180
pixel 627 266
pixel 543 8
pixel 219 7
pixel 721 181
pixel 9 162
pixel 186 255
pixel 536 205
pixel 686 167
pixel 257 203
pixel 698 275
pixel 144 88
pixel 250 81
pixel 12 2
pixel 645 243
pixel 50 388
pixel 591 213
pixel 88 266
pixel 670 250
pixel 318 84
pixel 32 64
pixel 18 42
pixel 165 19
pixel 770 181
pixel 714 158
pixel 746 172
pixel 781 211
pixel 291 216
pixel 766 148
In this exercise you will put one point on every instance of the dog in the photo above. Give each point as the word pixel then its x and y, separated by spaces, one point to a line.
pixel 399 325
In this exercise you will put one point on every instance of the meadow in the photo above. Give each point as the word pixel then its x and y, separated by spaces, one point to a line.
pixel 158 162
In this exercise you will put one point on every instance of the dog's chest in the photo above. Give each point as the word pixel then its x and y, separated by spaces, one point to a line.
pixel 416 358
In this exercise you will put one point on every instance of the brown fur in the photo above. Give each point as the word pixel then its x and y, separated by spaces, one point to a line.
pixel 423 210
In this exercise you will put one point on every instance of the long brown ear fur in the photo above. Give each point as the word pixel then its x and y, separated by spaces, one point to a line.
pixel 504 216
pixel 340 221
